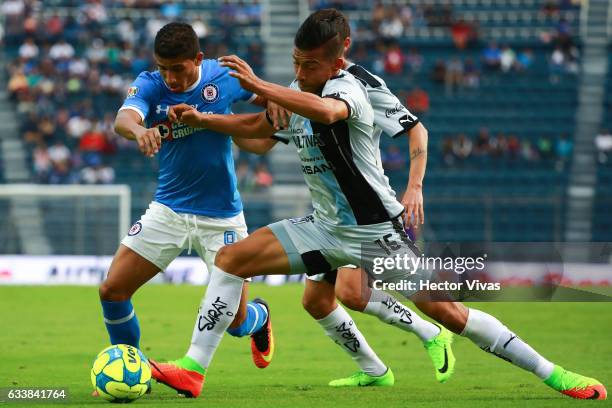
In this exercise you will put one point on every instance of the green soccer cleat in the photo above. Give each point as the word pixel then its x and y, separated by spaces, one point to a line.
pixel 361 379
pixel 441 353
pixel 575 385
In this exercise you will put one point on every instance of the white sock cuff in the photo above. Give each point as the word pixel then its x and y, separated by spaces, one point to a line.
pixel 331 319
pixel 221 274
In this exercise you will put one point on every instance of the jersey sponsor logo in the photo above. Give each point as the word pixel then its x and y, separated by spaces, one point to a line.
pixel 159 109
pixel 394 110
pixel 306 141
pixel 162 108
pixel 164 130
pixel 172 131
pixel 229 237
pixel 132 92
pixel 316 168
pixel 210 93
pixel 136 228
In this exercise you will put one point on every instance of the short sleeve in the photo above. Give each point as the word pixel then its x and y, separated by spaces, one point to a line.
pixel 282 136
pixel 389 114
pixel 237 92
pixel 141 95
pixel 345 88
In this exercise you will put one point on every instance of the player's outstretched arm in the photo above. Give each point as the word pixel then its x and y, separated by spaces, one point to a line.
pixel 413 197
pixel 128 124
pixel 257 146
pixel 242 126
pixel 311 106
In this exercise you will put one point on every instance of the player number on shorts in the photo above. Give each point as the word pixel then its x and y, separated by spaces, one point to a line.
pixel 387 244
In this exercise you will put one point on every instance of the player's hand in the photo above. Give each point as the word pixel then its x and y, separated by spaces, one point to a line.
pixel 279 115
pixel 242 71
pixel 413 204
pixel 149 141
pixel 176 112
pixel 185 114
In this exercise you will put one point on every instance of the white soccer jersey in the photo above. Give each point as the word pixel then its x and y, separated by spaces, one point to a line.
pixel 341 161
pixel 390 116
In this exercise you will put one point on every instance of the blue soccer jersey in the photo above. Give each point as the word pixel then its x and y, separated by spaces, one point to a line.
pixel 196 167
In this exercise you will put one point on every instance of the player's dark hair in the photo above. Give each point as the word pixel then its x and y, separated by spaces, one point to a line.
pixel 176 40
pixel 326 27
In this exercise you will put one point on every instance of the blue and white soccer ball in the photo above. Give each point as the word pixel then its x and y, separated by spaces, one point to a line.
pixel 121 373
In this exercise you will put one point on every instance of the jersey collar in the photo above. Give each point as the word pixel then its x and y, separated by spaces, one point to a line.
pixel 194 85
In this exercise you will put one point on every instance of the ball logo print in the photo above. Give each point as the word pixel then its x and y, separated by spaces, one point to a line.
pixel 136 228
pixel 121 373
pixel 210 93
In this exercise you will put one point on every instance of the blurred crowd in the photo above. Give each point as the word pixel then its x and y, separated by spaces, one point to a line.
pixel 462 149
pixel 69 73
pixel 380 40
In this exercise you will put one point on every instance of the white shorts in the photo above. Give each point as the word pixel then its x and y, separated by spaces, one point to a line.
pixel 162 234
pixel 315 248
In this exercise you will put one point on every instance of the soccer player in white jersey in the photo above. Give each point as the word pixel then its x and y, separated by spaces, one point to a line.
pixel 196 206
pixel 333 130
pixel 395 120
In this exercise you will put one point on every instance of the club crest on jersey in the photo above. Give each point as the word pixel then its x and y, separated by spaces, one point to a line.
pixel 210 93
pixel 229 237
pixel 136 228
pixel 132 92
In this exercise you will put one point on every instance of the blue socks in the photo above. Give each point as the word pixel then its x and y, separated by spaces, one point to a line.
pixel 257 314
pixel 121 322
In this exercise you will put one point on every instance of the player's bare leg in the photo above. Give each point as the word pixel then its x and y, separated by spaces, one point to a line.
pixel 353 290
pixel 319 299
pixel 492 336
pixel 128 272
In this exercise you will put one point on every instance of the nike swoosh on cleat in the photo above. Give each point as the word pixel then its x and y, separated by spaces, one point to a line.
pixel 445 366
pixel 266 357
pixel 595 395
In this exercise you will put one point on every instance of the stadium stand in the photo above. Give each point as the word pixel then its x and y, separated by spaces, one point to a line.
pixel 495 83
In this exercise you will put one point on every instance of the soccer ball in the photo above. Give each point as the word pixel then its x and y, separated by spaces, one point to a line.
pixel 121 373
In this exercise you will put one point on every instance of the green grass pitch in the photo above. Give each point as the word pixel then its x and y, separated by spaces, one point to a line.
pixel 50 336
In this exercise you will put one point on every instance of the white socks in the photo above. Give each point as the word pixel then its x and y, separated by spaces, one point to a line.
pixel 389 310
pixel 492 336
pixel 339 326
pixel 216 313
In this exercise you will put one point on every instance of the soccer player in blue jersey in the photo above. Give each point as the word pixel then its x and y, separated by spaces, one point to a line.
pixel 196 206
